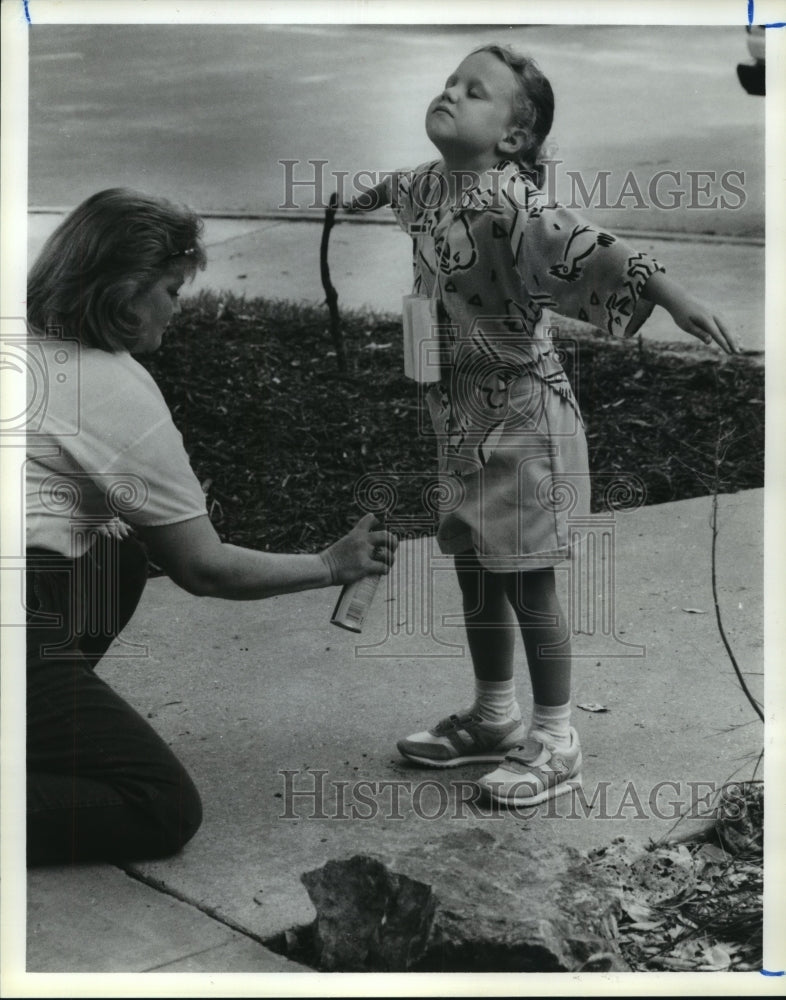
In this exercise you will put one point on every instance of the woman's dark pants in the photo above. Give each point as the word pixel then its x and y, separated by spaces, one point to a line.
pixel 101 784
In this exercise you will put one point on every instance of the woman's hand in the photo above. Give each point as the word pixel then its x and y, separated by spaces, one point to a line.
pixel 115 529
pixel 363 551
pixel 690 314
pixel 193 555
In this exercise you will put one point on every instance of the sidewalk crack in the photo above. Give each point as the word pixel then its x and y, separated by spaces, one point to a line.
pixel 208 911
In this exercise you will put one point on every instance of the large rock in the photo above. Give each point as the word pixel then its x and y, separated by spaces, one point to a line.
pixel 467 902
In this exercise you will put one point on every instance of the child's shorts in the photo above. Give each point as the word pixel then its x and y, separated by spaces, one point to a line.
pixel 525 501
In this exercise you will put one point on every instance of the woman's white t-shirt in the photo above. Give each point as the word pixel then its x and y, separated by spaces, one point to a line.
pixel 101 445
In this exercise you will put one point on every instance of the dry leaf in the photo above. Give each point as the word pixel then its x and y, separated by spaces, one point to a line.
pixel 636 910
pixel 678 964
pixel 592 706
pixel 713 854
pixel 715 959
pixel 694 611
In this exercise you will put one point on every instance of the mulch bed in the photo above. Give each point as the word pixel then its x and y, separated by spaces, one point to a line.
pixel 279 437
pixel 695 906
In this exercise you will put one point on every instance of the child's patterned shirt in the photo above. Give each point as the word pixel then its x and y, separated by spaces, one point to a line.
pixel 494 263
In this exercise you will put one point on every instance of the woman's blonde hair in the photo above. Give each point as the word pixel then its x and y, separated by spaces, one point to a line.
pixel 114 245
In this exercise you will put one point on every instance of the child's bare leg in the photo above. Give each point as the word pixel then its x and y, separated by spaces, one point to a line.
pixel 491 635
pixel 543 626
pixel 549 764
pixel 492 724
pixel 488 620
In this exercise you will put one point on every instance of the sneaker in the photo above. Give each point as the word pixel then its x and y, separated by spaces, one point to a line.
pixel 462 739
pixel 534 771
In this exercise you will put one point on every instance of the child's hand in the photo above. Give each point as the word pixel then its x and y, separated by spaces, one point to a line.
pixel 342 205
pixel 368 201
pixel 689 313
pixel 335 207
pixel 696 319
pixel 349 206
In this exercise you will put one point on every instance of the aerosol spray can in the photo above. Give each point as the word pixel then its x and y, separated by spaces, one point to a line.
pixel 354 602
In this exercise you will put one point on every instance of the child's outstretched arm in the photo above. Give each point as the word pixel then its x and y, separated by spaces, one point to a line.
pixel 371 199
pixel 689 313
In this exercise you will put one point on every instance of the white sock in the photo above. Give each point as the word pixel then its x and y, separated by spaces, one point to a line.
pixel 554 722
pixel 495 701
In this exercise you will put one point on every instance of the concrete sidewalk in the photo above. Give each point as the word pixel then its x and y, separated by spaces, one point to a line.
pixel 370 266
pixel 277 714
pixel 257 698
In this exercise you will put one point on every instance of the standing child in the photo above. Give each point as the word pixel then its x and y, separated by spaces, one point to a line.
pixel 490 254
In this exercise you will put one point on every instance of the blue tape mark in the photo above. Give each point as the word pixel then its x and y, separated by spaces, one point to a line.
pixel 27 12
pixel 772 24
pixel 766 972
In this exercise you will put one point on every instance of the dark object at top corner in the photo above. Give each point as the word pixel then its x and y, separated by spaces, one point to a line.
pixel 752 75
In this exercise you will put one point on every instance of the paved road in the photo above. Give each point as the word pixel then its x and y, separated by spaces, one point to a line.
pixel 205 113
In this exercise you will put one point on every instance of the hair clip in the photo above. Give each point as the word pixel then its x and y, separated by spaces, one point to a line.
pixel 183 253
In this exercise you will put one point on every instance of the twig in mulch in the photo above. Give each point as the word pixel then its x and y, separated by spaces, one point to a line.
pixel 719 455
pixel 694 907
pixel 331 295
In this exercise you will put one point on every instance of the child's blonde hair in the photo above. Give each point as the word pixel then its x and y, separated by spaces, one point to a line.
pixel 114 245
pixel 534 108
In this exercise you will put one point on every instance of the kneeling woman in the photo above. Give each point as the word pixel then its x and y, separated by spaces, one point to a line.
pixel 101 784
